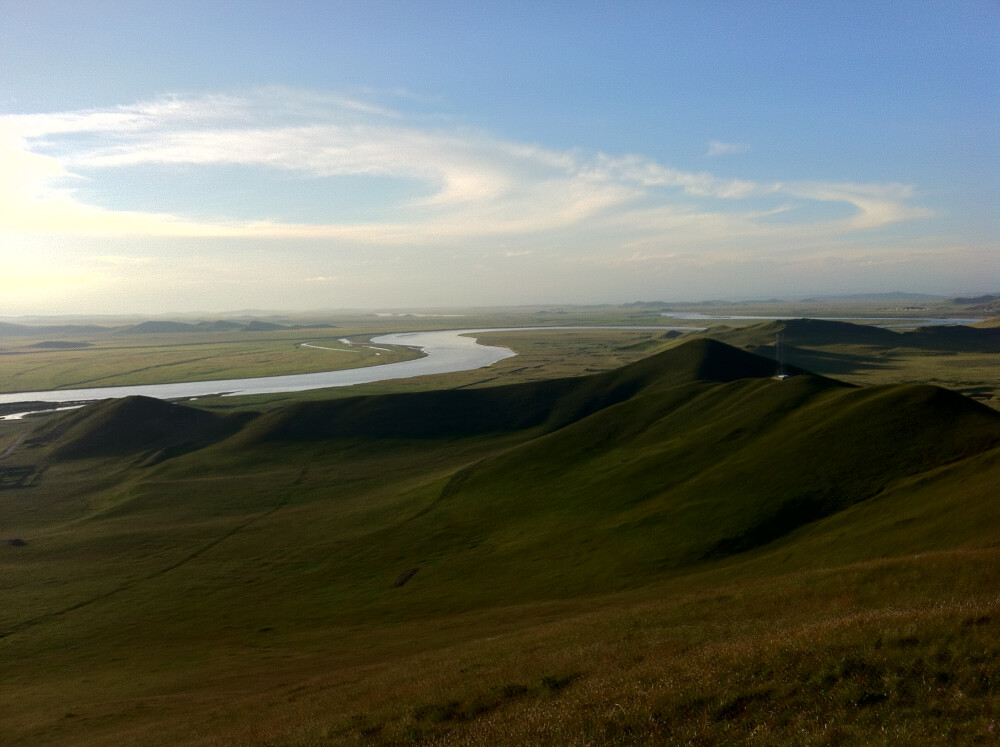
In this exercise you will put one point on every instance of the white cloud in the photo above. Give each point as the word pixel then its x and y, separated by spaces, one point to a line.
pixel 876 204
pixel 480 186
pixel 648 173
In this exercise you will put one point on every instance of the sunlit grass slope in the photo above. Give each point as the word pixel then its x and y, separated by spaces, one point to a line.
pixel 682 550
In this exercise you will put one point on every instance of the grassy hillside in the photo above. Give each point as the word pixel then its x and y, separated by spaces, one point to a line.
pixel 552 403
pixel 958 357
pixel 681 550
pixel 134 425
pixel 810 333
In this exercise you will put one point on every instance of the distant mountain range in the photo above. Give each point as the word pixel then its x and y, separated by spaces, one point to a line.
pixel 893 296
pixel 819 332
pixel 880 297
pixel 8 329
pixel 989 303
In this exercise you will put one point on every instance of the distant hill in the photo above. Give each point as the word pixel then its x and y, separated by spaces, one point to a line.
pixel 8 329
pixel 891 296
pixel 818 332
pixel 258 326
pixel 218 326
pixel 989 298
pixel 150 328
pixel 61 344
pixel 956 337
pixel 982 304
pixel 807 332
pixel 166 327
pixel 135 425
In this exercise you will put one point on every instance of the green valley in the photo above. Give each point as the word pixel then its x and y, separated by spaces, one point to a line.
pixel 679 550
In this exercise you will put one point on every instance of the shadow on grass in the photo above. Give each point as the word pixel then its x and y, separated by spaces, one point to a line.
pixel 827 362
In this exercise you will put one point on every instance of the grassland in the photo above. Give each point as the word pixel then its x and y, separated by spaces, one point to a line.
pixel 680 550
pixel 119 355
pixel 151 359
pixel 79 355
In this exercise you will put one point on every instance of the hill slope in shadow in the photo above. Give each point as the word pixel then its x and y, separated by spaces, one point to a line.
pixel 688 456
pixel 136 425
pixel 823 332
pixel 702 472
pixel 550 404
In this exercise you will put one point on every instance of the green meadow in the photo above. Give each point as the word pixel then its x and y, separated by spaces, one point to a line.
pixel 106 360
pixel 612 538
pixel 79 355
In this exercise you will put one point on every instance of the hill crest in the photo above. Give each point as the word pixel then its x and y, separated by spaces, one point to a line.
pixel 134 425
pixel 549 404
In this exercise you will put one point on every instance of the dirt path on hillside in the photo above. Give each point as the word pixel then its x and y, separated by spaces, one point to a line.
pixel 10 449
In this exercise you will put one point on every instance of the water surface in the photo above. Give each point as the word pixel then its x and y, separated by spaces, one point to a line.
pixel 446 351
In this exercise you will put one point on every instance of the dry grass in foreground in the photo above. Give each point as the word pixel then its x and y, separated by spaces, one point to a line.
pixel 814 658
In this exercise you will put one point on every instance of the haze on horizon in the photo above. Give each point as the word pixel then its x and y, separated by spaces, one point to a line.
pixel 166 157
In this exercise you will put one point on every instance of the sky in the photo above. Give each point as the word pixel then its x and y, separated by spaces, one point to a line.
pixel 168 157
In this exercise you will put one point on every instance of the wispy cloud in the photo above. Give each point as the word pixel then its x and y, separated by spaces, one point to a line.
pixel 716 148
pixel 477 185
pixel 876 204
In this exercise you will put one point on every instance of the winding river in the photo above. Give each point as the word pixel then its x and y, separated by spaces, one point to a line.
pixel 445 351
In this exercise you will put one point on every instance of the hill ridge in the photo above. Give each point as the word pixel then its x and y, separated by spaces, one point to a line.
pixel 549 404
pixel 133 425
pixel 818 332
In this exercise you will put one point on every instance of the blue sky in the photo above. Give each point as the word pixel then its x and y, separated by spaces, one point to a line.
pixel 303 155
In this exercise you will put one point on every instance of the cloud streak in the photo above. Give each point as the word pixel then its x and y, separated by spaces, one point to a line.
pixel 716 148
pixel 476 185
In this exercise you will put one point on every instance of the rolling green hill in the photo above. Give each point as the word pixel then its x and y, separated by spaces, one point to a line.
pixel 681 550
pixel 810 333
pixel 961 358
pixel 548 404
pixel 132 425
